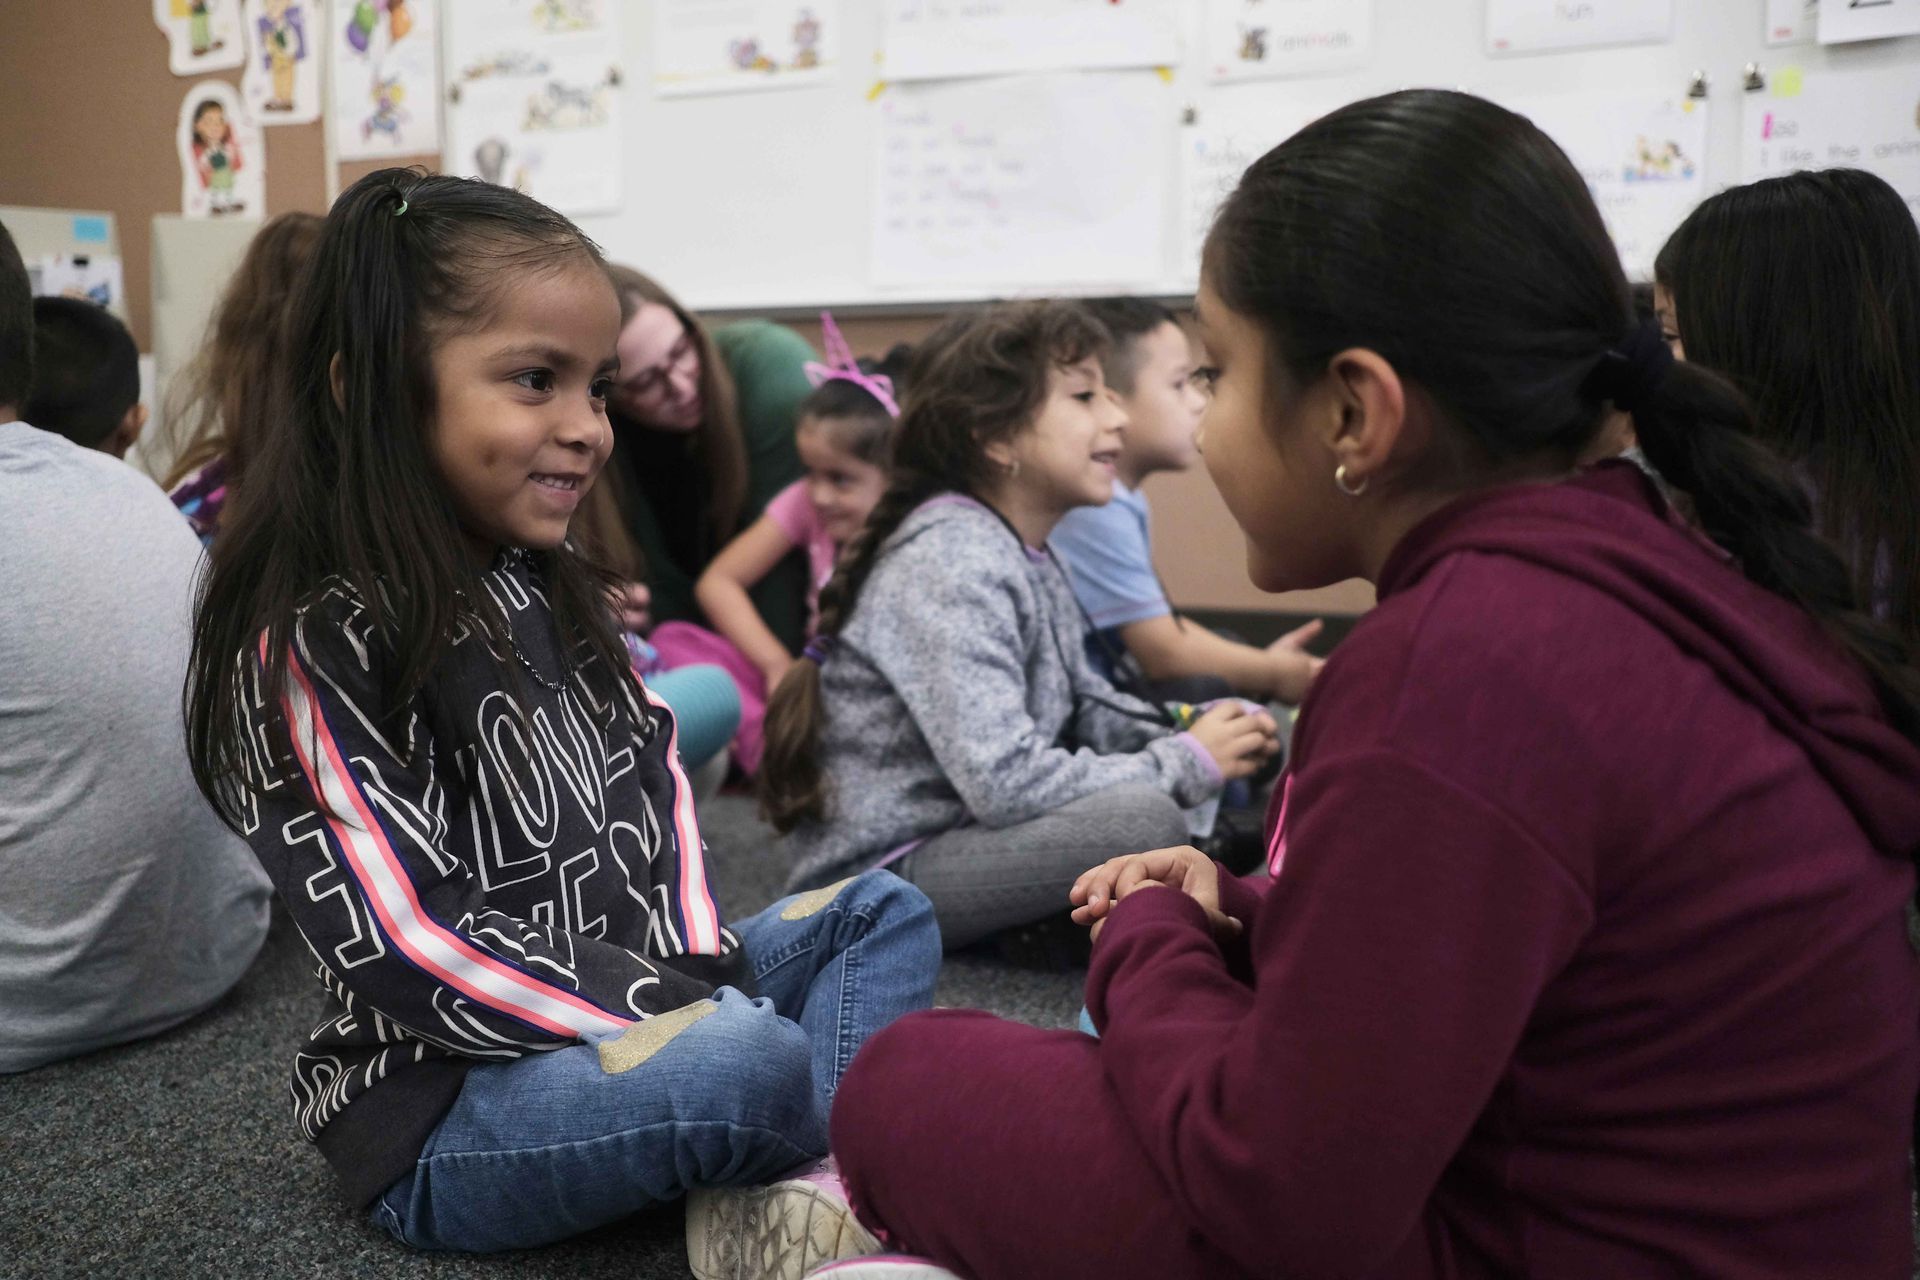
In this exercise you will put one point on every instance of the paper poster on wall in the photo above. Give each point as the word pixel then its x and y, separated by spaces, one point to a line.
pixel 1846 20
pixel 554 137
pixel 223 164
pixel 1791 21
pixel 386 77
pixel 282 83
pixel 725 46
pixel 1027 183
pixel 1216 149
pixel 94 278
pixel 1643 156
pixel 1836 119
pixel 202 35
pixel 536 102
pixel 1250 39
pixel 934 39
pixel 1529 26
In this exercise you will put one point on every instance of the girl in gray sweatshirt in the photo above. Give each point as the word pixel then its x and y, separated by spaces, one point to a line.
pixel 951 726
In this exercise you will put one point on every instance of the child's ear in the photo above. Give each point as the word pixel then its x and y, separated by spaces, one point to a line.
pixel 999 453
pixel 337 377
pixel 132 423
pixel 1365 418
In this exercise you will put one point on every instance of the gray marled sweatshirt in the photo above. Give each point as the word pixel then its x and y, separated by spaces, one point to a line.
pixel 960 692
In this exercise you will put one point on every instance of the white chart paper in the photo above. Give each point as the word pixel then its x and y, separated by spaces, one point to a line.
pixel 726 46
pixel 1027 183
pixel 94 278
pixel 1526 26
pixel 386 77
pixel 1836 119
pixel 537 102
pixel 1791 21
pixel 1251 39
pixel 932 39
pixel 1643 157
pixel 1215 150
pixel 282 81
pixel 1845 20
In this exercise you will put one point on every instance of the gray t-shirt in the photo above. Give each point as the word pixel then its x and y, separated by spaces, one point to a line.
pixel 125 905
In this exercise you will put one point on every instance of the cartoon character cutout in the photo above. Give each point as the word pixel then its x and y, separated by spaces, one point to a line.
pixel 366 17
pixel 202 35
pixel 746 55
pixel 283 40
pixel 216 156
pixel 388 115
pixel 220 154
pixel 806 41
pixel 1253 44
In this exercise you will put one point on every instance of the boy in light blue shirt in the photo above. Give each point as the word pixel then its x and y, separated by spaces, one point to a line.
pixel 1108 550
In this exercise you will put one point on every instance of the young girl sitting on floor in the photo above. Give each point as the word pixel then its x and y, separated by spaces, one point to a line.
pixel 1586 952
pixel 408 694
pixel 946 720
pixel 845 438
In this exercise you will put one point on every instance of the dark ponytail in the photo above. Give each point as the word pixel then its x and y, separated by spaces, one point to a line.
pixel 347 490
pixel 1697 431
pixel 981 377
pixel 1464 247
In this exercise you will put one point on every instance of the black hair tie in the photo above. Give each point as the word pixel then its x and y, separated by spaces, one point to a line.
pixel 1630 373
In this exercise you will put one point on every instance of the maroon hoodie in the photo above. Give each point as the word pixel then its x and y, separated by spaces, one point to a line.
pixel 1587 952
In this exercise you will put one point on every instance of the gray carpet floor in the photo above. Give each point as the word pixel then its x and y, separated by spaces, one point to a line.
pixel 178 1157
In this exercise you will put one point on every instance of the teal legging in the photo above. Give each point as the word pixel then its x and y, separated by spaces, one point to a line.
pixel 706 705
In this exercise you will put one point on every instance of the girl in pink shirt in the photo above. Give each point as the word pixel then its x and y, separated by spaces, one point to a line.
pixel 845 439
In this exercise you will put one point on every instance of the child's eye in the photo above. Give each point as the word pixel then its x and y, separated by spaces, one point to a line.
pixel 1084 397
pixel 601 388
pixel 1205 377
pixel 535 379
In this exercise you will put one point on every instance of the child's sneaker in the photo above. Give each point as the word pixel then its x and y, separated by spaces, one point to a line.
pixel 884 1266
pixel 779 1231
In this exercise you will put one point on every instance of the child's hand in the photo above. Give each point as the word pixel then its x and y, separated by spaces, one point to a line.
pixel 630 602
pixel 1238 738
pixel 1184 868
pixel 1293 668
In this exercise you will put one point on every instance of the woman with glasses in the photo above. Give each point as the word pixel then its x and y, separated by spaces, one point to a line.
pixel 703 439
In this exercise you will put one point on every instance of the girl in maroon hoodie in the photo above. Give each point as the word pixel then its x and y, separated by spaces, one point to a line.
pixel 1585 951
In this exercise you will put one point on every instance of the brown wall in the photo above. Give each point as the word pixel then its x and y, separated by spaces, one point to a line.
pixel 88 123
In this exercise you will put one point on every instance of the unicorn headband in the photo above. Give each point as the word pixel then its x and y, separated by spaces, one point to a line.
pixel 842 367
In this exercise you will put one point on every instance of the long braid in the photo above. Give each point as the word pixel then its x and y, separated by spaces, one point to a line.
pixel 1697 431
pixel 793 788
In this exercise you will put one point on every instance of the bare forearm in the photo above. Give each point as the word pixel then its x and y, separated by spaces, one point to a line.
pixel 1167 649
pixel 730 609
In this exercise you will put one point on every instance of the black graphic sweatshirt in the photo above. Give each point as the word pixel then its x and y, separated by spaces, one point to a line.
pixel 517 870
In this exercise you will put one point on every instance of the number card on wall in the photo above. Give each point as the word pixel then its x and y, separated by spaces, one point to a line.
pixel 931 39
pixel 1528 26
pixel 1026 183
pixel 1836 119
pixel 1845 20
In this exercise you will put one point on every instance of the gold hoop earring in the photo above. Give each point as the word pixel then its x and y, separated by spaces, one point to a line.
pixel 1341 483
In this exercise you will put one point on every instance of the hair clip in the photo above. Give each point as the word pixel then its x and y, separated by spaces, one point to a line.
pixel 841 366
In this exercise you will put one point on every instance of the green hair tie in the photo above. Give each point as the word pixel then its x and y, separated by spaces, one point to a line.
pixel 403 207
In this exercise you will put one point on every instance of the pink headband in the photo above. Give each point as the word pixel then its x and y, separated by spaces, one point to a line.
pixel 842 367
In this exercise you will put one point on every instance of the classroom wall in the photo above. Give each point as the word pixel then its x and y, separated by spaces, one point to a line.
pixel 88 122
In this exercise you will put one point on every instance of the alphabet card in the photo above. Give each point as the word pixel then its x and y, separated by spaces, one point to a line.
pixel 202 35
pixel 1540 26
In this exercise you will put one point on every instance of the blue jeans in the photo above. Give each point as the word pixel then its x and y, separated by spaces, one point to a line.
pixel 550 1145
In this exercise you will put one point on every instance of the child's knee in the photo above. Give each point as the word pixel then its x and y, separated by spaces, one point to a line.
pixel 1152 819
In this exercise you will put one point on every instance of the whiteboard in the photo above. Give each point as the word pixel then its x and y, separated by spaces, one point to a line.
pixel 764 202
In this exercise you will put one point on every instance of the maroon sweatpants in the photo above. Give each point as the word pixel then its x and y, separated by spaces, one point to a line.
pixel 999 1150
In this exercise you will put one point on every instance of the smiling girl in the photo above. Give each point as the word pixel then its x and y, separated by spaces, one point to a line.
pixel 947 721
pixel 407 693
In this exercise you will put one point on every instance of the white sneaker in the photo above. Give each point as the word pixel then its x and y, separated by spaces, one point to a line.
pixel 885 1266
pixel 779 1231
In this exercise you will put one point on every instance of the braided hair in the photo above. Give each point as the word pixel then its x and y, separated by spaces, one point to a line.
pixel 980 378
